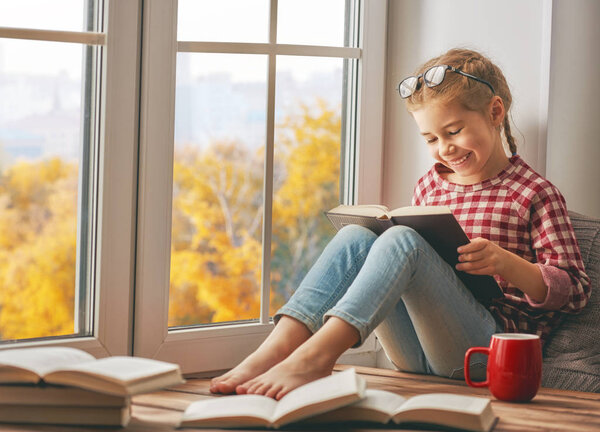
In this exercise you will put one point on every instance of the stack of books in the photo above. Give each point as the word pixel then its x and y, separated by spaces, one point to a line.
pixel 59 385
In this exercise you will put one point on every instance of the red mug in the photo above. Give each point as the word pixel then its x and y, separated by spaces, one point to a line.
pixel 514 368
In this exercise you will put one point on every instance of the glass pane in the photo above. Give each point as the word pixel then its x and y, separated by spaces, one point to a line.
pixel 325 19
pixel 223 20
pixel 43 14
pixel 216 246
pixel 41 118
pixel 306 168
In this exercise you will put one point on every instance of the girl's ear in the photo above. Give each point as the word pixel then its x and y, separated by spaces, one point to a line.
pixel 497 111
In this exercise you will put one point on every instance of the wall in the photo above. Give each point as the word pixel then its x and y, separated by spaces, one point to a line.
pixel 516 34
pixel 573 151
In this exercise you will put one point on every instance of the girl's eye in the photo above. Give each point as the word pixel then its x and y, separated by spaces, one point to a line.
pixel 430 140
pixel 455 132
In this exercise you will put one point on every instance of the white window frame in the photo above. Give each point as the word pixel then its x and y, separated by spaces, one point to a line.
pixel 212 348
pixel 116 131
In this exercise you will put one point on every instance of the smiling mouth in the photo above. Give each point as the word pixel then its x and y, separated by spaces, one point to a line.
pixel 457 162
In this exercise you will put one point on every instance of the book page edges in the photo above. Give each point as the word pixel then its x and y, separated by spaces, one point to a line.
pixel 227 422
pixel 447 418
pixel 57 396
pixel 108 385
pixel 15 374
pixel 420 210
pixel 87 416
pixel 476 415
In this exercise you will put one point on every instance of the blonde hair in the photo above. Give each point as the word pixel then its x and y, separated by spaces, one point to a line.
pixel 471 94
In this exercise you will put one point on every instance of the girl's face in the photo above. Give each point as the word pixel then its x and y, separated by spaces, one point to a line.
pixel 467 142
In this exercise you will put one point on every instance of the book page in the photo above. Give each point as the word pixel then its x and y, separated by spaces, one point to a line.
pixel 377 406
pixel 419 210
pixel 120 369
pixel 448 410
pixel 345 387
pixel 43 359
pixel 374 210
pixel 229 407
pixel 380 400
pixel 446 402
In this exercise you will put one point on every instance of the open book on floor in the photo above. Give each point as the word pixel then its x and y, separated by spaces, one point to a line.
pixel 120 376
pixel 439 409
pixel 314 398
pixel 436 224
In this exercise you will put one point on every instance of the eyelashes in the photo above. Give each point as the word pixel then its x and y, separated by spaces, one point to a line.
pixel 451 133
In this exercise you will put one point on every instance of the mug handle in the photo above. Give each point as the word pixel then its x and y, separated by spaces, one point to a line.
pixel 481 350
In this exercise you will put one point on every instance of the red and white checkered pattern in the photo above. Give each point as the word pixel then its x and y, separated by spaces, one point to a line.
pixel 527 215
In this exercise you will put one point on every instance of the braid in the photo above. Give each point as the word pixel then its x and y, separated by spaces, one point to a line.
pixel 512 146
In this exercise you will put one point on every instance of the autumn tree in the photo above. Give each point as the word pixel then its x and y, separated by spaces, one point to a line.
pixel 38 232
pixel 217 218
pixel 308 179
pixel 216 248
pixel 216 237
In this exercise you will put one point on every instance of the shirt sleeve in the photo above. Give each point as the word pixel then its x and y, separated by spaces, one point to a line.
pixel 557 253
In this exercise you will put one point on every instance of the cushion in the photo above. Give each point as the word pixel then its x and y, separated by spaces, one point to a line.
pixel 572 354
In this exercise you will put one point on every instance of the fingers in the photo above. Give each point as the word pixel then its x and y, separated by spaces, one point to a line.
pixel 475 245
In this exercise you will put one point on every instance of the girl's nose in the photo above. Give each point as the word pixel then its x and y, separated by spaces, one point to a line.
pixel 446 148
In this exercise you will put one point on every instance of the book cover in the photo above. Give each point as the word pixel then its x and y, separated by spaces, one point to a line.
pixel 436 224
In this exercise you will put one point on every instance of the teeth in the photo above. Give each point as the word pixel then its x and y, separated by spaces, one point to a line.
pixel 461 160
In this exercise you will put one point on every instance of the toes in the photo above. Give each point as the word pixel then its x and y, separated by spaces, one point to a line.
pixel 226 387
pixel 263 389
pixel 281 393
pixel 254 388
pixel 273 391
pixel 247 387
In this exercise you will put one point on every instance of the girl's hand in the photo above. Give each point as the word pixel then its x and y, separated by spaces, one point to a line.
pixel 482 257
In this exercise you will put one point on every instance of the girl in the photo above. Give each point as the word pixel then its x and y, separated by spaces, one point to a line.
pixel 396 284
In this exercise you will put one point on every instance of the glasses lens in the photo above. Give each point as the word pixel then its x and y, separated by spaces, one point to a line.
pixel 408 86
pixel 434 76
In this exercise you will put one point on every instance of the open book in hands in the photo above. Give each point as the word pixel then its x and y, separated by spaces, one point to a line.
pixel 440 409
pixel 121 376
pixel 248 410
pixel 436 224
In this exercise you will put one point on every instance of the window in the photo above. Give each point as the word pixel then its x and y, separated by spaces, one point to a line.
pixel 189 182
pixel 250 135
pixel 64 138
pixel 46 150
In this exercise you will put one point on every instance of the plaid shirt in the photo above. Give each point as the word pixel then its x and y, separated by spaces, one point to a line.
pixel 527 215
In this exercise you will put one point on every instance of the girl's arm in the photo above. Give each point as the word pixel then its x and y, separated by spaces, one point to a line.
pixel 557 280
pixel 483 257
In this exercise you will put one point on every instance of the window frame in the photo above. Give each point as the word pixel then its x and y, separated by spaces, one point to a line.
pixel 115 132
pixel 218 347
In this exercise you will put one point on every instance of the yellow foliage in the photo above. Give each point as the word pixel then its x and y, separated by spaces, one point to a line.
pixel 38 230
pixel 216 252
pixel 216 249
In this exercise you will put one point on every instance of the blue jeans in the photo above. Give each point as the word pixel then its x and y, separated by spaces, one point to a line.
pixel 399 287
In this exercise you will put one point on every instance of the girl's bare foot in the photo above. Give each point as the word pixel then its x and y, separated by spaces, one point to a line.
pixel 254 365
pixel 282 378
pixel 287 335
pixel 314 359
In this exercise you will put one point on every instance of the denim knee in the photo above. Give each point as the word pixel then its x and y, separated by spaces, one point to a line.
pixel 356 234
pixel 400 236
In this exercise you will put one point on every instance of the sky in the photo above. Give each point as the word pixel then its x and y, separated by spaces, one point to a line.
pixel 313 22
